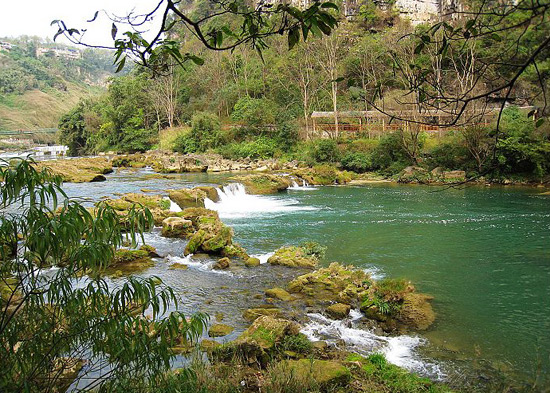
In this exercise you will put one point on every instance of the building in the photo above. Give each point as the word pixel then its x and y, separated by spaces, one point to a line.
pixel 6 46
pixel 70 54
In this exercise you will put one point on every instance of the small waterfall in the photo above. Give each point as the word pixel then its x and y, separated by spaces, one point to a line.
pixel 399 350
pixel 263 257
pixel 173 206
pixel 305 186
pixel 236 203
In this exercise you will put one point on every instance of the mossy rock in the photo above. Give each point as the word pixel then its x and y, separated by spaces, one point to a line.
pixel 209 345
pixel 263 183
pixel 220 330
pixel 152 251
pixel 79 170
pixel 338 310
pixel 129 261
pixel 178 266
pixel 267 331
pixel 211 192
pixel 279 293
pixel 177 227
pixel 252 314
pixel 222 264
pixel 235 251
pixel 293 257
pixel 252 262
pixel 324 175
pixel 326 374
pixel 188 197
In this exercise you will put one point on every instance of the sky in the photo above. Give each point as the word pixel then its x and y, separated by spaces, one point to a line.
pixel 33 17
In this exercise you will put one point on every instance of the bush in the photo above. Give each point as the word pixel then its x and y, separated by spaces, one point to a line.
pixel 137 140
pixel 357 162
pixel 254 112
pixel 325 150
pixel 185 143
pixel 389 156
pixel 314 249
pixel 205 130
pixel 259 148
pixel 449 155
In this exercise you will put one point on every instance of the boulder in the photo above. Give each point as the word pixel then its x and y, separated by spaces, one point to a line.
pixel 267 331
pixel 253 313
pixel 188 197
pixel 211 192
pixel 324 175
pixel 263 183
pixel 454 175
pixel 338 310
pixel 209 345
pixel 293 257
pixel 220 330
pixel 327 374
pixel 152 251
pixel 178 266
pixel 252 262
pixel 177 227
pixel 222 264
pixel 279 293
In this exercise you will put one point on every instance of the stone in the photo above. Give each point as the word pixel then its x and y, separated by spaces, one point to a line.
pixel 222 264
pixel 253 313
pixel 177 227
pixel 188 197
pixel 263 183
pixel 178 266
pixel 220 330
pixel 338 310
pixel 327 374
pixel 208 345
pixel 292 257
pixel 252 262
pixel 152 251
pixel 279 293
pixel 454 175
pixel 267 331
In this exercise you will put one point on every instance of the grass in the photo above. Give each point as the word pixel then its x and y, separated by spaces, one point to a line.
pixel 40 109
pixel 168 136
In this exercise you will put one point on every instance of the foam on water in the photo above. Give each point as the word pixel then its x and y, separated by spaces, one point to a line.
pixel 173 206
pixel 304 187
pixel 263 257
pixel 192 263
pixel 236 203
pixel 399 350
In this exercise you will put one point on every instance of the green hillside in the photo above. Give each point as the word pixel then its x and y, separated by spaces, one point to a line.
pixel 39 81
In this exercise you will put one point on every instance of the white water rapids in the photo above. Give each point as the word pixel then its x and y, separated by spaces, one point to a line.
pixel 234 202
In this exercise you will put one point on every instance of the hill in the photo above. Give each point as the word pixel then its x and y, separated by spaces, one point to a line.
pixel 41 80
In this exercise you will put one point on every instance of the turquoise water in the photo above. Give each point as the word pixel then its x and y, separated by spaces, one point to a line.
pixel 483 253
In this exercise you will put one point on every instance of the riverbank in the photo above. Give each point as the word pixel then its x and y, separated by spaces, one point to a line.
pixel 88 169
pixel 390 230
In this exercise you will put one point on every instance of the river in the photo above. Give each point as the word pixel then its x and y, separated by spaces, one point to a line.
pixel 482 252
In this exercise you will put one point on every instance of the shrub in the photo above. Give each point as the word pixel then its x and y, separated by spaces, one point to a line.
pixel 389 155
pixel 325 150
pixel 137 140
pixel 259 148
pixel 314 249
pixel 254 112
pixel 185 143
pixel 357 162
pixel 205 130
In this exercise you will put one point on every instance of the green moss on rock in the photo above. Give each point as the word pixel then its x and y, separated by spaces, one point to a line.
pixel 327 374
pixel 263 183
pixel 293 257
pixel 338 310
pixel 279 293
pixel 220 330
pixel 252 262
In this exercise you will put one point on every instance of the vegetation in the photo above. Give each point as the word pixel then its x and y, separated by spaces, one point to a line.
pixel 34 79
pixel 48 325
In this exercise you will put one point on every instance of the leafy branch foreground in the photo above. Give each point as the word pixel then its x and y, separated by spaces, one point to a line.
pixel 56 309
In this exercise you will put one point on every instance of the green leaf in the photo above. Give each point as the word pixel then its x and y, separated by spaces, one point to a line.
pixel 329 5
pixel 539 122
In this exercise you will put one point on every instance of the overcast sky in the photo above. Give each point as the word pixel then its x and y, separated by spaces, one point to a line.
pixel 33 17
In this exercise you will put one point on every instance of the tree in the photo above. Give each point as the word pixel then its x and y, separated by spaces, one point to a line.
pixel 249 24
pixel 56 308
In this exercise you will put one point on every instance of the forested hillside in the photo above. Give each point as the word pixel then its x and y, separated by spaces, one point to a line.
pixel 41 80
pixel 242 104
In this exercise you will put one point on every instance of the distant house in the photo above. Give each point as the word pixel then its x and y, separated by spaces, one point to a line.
pixel 6 46
pixel 58 151
pixel 70 54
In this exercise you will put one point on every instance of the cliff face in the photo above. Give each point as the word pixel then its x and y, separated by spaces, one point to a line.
pixel 417 11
